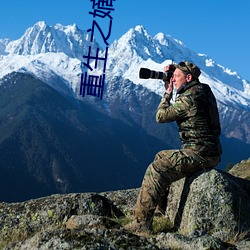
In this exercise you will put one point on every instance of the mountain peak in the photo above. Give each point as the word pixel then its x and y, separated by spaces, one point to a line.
pixel 141 29
pixel 69 28
pixel 41 24
pixel 139 49
pixel 166 40
pixel 42 38
pixel 134 35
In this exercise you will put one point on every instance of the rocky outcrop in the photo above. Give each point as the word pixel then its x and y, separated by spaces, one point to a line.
pixel 241 169
pixel 210 202
pixel 209 210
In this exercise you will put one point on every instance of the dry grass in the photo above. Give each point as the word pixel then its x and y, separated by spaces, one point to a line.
pixel 160 223
pixel 239 237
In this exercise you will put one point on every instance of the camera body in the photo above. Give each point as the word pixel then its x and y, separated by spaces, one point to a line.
pixel 146 73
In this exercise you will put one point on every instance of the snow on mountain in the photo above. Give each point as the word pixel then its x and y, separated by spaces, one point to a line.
pixel 48 53
pixel 48 67
pixel 3 43
pixel 137 49
pixel 42 38
pixel 56 51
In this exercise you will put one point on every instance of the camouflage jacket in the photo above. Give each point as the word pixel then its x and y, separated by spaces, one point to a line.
pixel 195 111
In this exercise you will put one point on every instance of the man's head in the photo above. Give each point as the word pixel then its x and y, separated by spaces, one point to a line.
pixel 185 72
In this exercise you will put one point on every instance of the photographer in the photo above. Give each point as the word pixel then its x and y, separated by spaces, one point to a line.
pixel 195 111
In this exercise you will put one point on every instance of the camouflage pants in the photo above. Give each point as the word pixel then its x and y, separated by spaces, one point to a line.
pixel 167 167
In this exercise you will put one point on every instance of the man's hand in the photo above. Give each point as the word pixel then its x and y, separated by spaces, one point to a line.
pixel 168 85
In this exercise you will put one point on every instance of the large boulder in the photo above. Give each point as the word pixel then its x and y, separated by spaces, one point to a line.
pixel 19 221
pixel 210 202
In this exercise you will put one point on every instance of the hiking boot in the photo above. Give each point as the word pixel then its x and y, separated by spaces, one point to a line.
pixel 140 227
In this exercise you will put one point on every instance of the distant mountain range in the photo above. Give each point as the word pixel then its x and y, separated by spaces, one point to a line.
pixel 53 143
pixel 52 140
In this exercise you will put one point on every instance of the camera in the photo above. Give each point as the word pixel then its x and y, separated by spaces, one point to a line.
pixel 145 73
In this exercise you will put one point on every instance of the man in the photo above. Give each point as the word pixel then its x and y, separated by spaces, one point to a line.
pixel 195 111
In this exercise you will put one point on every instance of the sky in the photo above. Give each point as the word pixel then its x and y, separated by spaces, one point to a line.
pixel 218 28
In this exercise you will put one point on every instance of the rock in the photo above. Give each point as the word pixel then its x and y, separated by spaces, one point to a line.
pixel 124 199
pixel 243 245
pixel 209 210
pixel 20 220
pixel 241 169
pixel 178 241
pixel 90 221
pixel 212 202
pixel 63 239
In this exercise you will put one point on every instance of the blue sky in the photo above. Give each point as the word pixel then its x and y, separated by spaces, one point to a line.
pixel 218 28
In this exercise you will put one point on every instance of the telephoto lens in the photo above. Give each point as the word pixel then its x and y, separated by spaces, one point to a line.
pixel 147 73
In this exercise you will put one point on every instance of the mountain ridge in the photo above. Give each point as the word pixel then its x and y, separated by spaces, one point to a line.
pixel 56 144
pixel 138 49
pixel 42 38
pixel 168 50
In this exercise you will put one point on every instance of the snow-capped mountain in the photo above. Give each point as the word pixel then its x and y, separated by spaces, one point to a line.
pixel 138 49
pixel 45 51
pixel 41 38
pixel 54 54
pixel 50 141
pixel 48 53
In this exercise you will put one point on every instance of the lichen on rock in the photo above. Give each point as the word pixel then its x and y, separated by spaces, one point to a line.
pixel 211 202
pixel 209 210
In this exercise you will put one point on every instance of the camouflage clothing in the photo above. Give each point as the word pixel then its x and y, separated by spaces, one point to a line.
pixel 195 111
pixel 196 114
